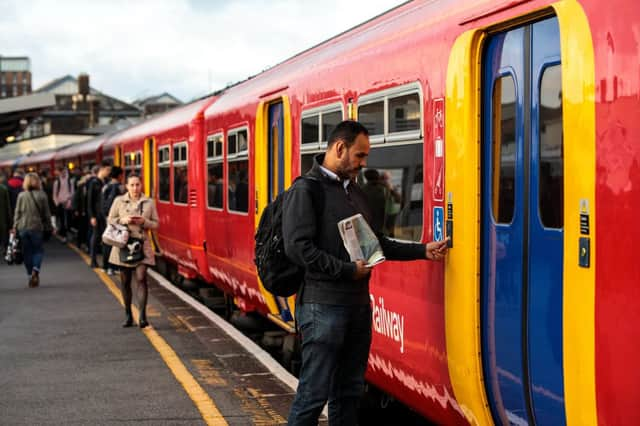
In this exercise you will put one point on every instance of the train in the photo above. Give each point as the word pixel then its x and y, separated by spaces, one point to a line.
pixel 511 127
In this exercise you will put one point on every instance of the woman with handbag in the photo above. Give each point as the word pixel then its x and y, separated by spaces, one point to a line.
pixel 138 212
pixel 32 222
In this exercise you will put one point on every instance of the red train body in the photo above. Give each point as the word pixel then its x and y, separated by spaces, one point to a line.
pixel 426 68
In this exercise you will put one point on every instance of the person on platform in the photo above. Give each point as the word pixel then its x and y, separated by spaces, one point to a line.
pixel 62 196
pixel 5 214
pixel 333 305
pixel 15 186
pixel 139 213
pixel 31 215
pixel 97 220
pixel 110 192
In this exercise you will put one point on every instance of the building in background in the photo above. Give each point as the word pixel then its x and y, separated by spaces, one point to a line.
pixel 80 109
pixel 63 112
pixel 15 76
pixel 157 104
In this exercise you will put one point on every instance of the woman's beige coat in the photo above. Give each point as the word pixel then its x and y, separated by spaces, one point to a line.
pixel 123 206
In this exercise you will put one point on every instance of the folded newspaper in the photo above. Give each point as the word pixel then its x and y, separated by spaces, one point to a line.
pixel 360 241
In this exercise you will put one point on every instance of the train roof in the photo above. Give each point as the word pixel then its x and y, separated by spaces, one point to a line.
pixel 41 156
pixel 171 119
pixel 84 148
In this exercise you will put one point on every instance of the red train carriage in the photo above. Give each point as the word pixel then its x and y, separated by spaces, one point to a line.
pixel 86 154
pixel 166 151
pixel 40 162
pixel 504 96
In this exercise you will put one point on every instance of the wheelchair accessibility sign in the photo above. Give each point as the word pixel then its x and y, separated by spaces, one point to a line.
pixel 438 223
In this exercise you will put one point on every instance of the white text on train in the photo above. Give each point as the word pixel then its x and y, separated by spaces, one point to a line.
pixel 388 323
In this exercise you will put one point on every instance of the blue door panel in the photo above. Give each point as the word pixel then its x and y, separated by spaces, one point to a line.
pixel 276 150
pixel 521 259
pixel 546 256
pixel 502 245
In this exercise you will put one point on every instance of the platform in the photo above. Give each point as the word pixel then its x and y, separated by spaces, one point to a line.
pixel 65 359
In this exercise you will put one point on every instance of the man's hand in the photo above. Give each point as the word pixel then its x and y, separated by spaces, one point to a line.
pixel 437 250
pixel 362 270
pixel 94 222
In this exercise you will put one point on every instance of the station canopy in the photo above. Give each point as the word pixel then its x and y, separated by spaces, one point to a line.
pixel 17 112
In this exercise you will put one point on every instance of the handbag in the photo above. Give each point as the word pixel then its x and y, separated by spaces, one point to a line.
pixel 13 255
pixel 116 235
pixel 133 251
pixel 47 229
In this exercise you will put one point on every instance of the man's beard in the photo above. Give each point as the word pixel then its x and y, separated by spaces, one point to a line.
pixel 345 172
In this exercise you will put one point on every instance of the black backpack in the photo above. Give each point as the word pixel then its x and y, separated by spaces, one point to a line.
pixel 279 275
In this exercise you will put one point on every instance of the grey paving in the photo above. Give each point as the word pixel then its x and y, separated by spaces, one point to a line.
pixel 64 358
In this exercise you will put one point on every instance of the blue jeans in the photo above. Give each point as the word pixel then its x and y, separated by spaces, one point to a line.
pixel 32 250
pixel 335 349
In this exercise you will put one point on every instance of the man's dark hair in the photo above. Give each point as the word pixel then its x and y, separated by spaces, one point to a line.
pixel 347 131
pixel 134 175
pixel 116 172
pixel 105 163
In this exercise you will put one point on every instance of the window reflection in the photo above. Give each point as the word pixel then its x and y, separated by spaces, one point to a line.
pixel 393 185
pixel 551 200
pixel 504 149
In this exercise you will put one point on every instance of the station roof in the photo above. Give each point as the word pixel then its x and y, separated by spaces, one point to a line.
pixel 14 110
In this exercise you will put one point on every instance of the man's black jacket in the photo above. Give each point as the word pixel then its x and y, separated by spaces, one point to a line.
pixel 312 240
pixel 94 197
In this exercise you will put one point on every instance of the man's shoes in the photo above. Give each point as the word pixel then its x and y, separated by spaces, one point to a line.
pixel 110 272
pixel 143 323
pixel 94 264
pixel 35 279
pixel 64 240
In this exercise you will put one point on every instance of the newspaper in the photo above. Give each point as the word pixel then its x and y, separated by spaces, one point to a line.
pixel 360 241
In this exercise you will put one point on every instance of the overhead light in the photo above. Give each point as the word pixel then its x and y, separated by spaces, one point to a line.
pixel 71 166
pixel 10 139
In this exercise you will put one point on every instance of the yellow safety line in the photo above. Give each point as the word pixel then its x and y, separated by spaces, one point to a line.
pixel 210 413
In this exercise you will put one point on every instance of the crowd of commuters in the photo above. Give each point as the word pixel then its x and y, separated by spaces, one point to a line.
pixel 79 200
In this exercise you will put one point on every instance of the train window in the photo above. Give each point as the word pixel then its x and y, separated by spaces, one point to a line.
pixel 238 179
pixel 214 172
pixel 371 116
pixel 232 143
pixel 504 149
pixel 133 164
pixel 316 127
pixel 393 184
pixel 330 121
pixel 180 176
pixel 311 130
pixel 551 199
pixel 164 163
pixel 243 144
pixel 392 115
pixel 404 113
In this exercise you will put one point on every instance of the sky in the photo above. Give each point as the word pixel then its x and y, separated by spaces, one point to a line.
pixel 137 48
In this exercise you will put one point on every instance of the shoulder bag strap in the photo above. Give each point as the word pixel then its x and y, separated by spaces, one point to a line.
pixel 42 220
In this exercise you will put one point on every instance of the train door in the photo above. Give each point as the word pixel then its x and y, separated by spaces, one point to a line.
pixel 522 225
pixel 276 150
pixel 276 173
pixel 149 166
